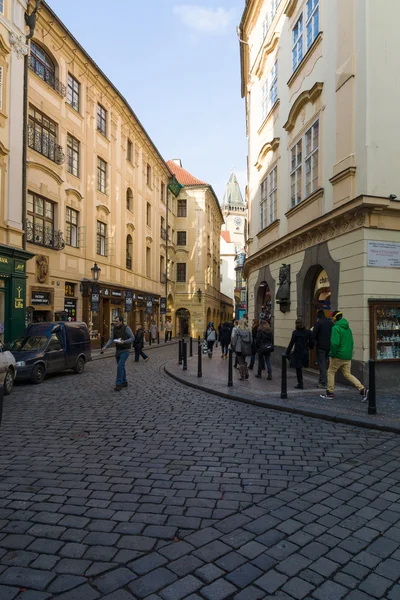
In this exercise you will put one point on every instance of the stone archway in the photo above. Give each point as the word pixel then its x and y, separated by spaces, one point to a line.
pixel 264 277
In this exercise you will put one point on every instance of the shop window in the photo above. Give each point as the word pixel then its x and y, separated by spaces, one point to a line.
pixel 129 151
pixel 40 222
pixel 129 252
pixel 181 238
pixel 182 208
pixel 73 92
pixel 129 199
pixel 71 230
pixel 42 136
pixel 101 119
pixel 101 238
pixel 101 175
pixel 181 272
pixel 73 149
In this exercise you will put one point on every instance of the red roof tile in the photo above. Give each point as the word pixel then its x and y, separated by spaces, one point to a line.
pixel 227 236
pixel 183 176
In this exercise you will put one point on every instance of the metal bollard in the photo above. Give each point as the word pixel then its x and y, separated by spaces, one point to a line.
pixel 191 346
pixel 1 402
pixel 230 368
pixel 149 338
pixel 184 356
pixel 180 352
pixel 284 378
pixel 198 339
pixel 199 357
pixel 102 341
pixel 158 337
pixel 372 388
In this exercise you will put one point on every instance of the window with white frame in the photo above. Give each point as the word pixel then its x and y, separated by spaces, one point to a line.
pixel 270 91
pixel 296 166
pixel 268 203
pixel 308 162
pixel 312 22
pixel 269 17
pixel 263 203
pixel 311 158
pixel 2 6
pixel 302 41
pixel 297 49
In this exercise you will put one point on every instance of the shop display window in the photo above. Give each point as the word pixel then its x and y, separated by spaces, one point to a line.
pixel 385 330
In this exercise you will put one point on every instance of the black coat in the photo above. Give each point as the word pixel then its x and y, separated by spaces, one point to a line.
pixel 225 335
pixel 301 342
pixel 139 340
pixel 322 334
pixel 263 337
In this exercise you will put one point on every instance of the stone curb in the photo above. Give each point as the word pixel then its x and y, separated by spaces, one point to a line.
pixel 146 349
pixel 283 406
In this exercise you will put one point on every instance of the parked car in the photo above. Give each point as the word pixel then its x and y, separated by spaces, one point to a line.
pixel 50 348
pixel 8 369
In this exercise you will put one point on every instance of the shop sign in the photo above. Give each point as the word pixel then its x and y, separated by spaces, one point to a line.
pixel 5 264
pixel 95 299
pixel 116 293
pixel 19 266
pixel 140 297
pixel 128 301
pixel 69 289
pixel 163 306
pixel 149 305
pixel 105 292
pixel 384 254
pixel 18 300
pixel 40 298
pixel 69 303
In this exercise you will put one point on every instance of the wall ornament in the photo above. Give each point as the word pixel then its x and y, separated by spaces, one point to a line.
pixel 42 268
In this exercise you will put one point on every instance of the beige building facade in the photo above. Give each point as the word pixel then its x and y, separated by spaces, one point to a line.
pixel 96 192
pixel 194 258
pixel 319 83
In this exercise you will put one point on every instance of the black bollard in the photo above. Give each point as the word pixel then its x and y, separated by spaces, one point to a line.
pixel 158 337
pixel 230 368
pixel 102 341
pixel 284 378
pixel 184 356
pixel 180 352
pixel 1 402
pixel 372 388
pixel 149 334
pixel 191 346
pixel 199 356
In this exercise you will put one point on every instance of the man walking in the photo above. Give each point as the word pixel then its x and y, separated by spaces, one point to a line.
pixel 138 345
pixel 122 336
pixel 168 330
pixel 322 339
pixel 341 353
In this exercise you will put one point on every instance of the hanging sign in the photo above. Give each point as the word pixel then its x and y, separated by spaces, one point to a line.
pixel 95 299
pixel 128 301
pixel 149 305
pixel 163 306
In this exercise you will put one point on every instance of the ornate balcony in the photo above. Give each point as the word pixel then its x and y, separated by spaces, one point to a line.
pixel 45 145
pixel 47 75
pixel 42 235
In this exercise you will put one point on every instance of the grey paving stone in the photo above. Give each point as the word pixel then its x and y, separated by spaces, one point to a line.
pixel 176 550
pixel 185 565
pixel 210 552
pixel 45 546
pixel 293 564
pixel 152 582
pixel 73 550
pixel 84 592
pixel 375 585
pixel 231 561
pixel 163 532
pixel 26 577
pixel 209 573
pixel 203 536
pixel 20 558
pixel 16 541
pixel 271 581
pixel 64 583
pixel 112 580
pixel 252 549
pixel 8 593
pixel 314 550
pixel 72 566
pixel 330 591
pixel 119 595
pixel 182 588
pixel 298 588
pixel 250 593
pixel 218 590
pixel 136 542
pixel 383 547
pixel 244 575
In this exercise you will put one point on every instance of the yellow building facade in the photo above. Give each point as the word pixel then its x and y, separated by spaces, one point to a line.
pixel 324 217
pixel 96 192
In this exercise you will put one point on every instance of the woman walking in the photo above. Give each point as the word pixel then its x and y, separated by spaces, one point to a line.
pixel 254 328
pixel 241 344
pixel 138 345
pixel 302 341
pixel 211 337
pixel 225 339
pixel 264 346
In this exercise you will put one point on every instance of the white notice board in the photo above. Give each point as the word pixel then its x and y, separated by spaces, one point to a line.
pixel 384 254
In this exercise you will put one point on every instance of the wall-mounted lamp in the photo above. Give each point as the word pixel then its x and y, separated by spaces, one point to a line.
pixel 199 294
pixel 95 270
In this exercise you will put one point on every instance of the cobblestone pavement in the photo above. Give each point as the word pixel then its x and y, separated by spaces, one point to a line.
pixel 165 492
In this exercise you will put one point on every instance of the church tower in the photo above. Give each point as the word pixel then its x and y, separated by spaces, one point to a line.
pixel 235 212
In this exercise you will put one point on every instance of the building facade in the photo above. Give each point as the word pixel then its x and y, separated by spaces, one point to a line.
pixel 194 257
pixel 232 248
pixel 324 217
pixel 96 192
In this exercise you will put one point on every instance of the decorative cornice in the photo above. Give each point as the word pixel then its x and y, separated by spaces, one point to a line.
pixel 149 239
pixel 265 52
pixel 290 8
pixel 18 44
pixel 3 150
pixel 349 172
pixel 130 226
pixel 306 97
pixel 74 192
pixel 268 147
pixel 31 164
pixel 310 198
pixel 103 208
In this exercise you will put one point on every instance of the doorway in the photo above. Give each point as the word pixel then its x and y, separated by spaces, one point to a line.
pixel 321 300
pixel 183 321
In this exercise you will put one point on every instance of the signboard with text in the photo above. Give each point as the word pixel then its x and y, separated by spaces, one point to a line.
pixel 384 254
pixel 163 306
pixel 128 301
pixel 149 305
pixel 40 299
pixel 95 299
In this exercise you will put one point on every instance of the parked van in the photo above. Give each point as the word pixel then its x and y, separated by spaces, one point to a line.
pixel 50 348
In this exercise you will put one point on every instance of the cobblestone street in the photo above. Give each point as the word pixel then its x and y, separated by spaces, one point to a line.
pixel 166 492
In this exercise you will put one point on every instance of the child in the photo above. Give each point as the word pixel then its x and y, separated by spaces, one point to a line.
pixel 302 341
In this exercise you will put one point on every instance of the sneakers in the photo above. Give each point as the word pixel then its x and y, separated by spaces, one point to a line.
pixel 364 394
pixel 327 395
pixel 147 359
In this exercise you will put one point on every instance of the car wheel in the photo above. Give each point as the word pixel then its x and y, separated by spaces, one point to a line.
pixel 38 373
pixel 80 365
pixel 8 382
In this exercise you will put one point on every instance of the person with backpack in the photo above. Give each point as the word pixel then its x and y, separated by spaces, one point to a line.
pixel 122 336
pixel 210 337
pixel 301 343
pixel 264 347
pixel 322 340
pixel 241 345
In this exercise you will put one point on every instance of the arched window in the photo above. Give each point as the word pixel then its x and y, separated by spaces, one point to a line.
pixel 41 64
pixel 129 251
pixel 129 199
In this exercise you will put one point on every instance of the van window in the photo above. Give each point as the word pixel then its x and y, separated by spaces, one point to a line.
pixel 54 344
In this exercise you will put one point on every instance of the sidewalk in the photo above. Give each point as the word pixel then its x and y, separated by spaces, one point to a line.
pixel 345 408
pixel 110 352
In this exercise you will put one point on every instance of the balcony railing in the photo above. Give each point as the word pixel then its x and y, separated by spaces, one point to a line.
pixel 44 236
pixel 128 263
pixel 163 233
pixel 47 75
pixel 163 278
pixel 45 145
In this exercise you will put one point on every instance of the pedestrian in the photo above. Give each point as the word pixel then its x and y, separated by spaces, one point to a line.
pixel 264 347
pixel 122 336
pixel 233 326
pixel 254 328
pixel 138 345
pixel 168 330
pixel 210 337
pixel 322 340
pixel 302 342
pixel 225 339
pixel 341 353
pixel 241 345
pixel 153 332
pixel 218 335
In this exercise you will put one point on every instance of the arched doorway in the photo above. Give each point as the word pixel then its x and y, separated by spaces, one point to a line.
pixel 182 321
pixel 264 302
pixel 321 300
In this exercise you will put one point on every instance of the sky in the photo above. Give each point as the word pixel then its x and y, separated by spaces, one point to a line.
pixel 177 63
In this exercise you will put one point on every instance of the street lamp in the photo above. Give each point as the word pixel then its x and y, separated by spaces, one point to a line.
pixel 199 294
pixel 95 270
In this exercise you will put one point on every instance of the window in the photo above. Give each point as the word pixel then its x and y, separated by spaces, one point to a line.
pixel 71 232
pixel 148 262
pixel 73 92
pixel 162 192
pixel 101 238
pixel 269 17
pixel 73 155
pixel 311 18
pixel 101 175
pixel 163 274
pixel 270 91
pixel 129 251
pixel 312 23
pixel 263 203
pixel 311 162
pixel 101 119
pixel 272 195
pixel 129 151
pixel 41 64
pixel 181 272
pixel 42 136
pixel 148 214
pixel 40 222
pixel 1 88
pixel 2 6
pixel 181 238
pixel 297 50
pixel 129 199
pixel 163 231
pixel 182 208
pixel 148 175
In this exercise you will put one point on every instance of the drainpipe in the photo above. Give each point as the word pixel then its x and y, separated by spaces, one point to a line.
pixel 31 23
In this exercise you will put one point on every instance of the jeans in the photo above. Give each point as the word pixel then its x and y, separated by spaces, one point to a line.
pixel 322 360
pixel 121 359
pixel 264 359
pixel 224 348
pixel 345 365
pixel 139 352
pixel 210 345
pixel 168 333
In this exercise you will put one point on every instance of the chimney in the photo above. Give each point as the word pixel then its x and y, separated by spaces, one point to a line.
pixel 177 161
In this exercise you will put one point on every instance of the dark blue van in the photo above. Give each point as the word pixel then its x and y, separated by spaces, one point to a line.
pixel 50 348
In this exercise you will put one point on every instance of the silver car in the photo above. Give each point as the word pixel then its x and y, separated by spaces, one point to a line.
pixel 8 370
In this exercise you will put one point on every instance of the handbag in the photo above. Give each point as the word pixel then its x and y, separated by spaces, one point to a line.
pixel 267 348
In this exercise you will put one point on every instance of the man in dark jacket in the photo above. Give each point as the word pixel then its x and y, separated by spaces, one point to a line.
pixel 138 345
pixel 322 340
pixel 122 336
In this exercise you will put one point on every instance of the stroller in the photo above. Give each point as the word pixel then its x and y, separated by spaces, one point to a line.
pixel 205 347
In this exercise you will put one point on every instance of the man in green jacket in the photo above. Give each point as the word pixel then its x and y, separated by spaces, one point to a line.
pixel 341 353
